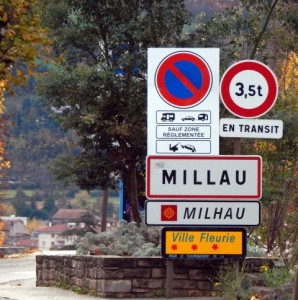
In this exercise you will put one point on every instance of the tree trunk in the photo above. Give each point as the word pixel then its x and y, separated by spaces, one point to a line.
pixel 104 210
pixel 133 194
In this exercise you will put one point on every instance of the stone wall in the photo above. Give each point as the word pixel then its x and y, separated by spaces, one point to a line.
pixel 129 277
pixel 11 250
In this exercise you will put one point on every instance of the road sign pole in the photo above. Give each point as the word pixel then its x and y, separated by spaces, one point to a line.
pixel 169 279
pixel 237 146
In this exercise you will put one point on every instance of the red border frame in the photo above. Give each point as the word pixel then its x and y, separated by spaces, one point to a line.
pixel 207 157
pixel 243 66
pixel 199 96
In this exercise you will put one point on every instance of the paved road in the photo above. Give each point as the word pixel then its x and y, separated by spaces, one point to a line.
pixel 18 277
pixel 17 282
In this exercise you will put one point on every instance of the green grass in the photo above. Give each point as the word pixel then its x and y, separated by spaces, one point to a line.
pixel 11 193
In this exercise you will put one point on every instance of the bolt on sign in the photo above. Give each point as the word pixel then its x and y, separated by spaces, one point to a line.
pixel 200 243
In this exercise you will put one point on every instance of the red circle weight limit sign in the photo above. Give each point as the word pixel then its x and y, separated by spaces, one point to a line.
pixel 248 89
pixel 183 79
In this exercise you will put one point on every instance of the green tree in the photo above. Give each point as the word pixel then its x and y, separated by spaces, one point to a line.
pixel 33 141
pixel 279 229
pixel 262 30
pixel 266 31
pixel 19 202
pixel 21 38
pixel 100 82
pixel 90 225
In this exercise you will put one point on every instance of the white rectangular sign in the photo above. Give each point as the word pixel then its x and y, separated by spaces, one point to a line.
pixel 202 213
pixel 251 128
pixel 183 101
pixel 204 177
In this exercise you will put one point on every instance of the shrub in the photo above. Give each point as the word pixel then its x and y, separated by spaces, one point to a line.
pixel 127 239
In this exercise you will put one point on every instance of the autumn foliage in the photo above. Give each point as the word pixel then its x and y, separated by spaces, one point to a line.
pixel 1 234
pixel 21 38
pixel 289 70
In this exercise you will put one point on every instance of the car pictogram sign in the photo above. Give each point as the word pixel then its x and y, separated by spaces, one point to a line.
pixel 183 79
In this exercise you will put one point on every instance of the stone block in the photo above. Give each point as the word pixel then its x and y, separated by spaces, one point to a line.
pixel 109 274
pixel 180 293
pixel 91 284
pixel 78 273
pixel 196 293
pixel 197 274
pixel 150 262
pixel 45 264
pixel 114 286
pixel 75 272
pixel 92 273
pixel 136 273
pixel 39 274
pixel 180 273
pixel 79 282
pixel 185 284
pixel 158 273
pixel 53 264
pixel 39 259
pixel 119 262
pixel 205 285
pixel 72 281
pixel 52 274
pixel 117 295
pixel 147 283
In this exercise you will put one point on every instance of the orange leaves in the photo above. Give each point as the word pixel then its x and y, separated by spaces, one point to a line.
pixel 27 37
pixel 3 84
pixel 262 146
pixel 4 164
pixel 289 70
pixel 1 234
pixel 21 37
pixel 5 17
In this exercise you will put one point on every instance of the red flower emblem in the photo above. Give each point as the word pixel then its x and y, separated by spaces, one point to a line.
pixel 174 247
pixel 194 247
pixel 214 246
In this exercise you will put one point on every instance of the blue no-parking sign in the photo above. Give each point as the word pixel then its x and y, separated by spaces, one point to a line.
pixel 183 101
pixel 183 79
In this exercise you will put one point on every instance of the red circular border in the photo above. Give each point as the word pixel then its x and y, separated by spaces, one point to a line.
pixel 202 92
pixel 243 66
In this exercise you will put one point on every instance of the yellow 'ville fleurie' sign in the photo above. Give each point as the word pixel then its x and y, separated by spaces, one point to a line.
pixel 203 242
